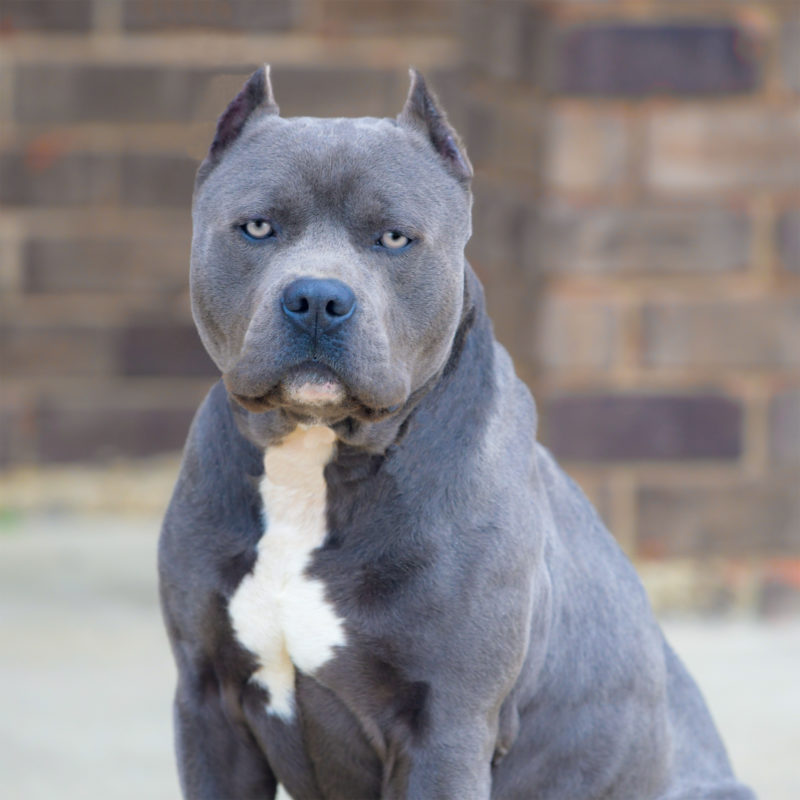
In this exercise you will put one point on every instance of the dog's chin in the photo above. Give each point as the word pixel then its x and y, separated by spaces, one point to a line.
pixel 315 393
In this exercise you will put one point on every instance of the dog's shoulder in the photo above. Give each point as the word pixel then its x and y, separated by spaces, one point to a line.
pixel 215 508
pixel 218 464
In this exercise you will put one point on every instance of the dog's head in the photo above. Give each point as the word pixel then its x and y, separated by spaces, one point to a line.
pixel 328 254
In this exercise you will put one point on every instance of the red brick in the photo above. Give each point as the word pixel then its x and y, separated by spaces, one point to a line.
pixel 779 592
pixel 708 148
pixel 576 334
pixel 715 334
pixel 103 428
pixel 148 263
pixel 586 150
pixel 633 427
pixel 741 519
pixel 65 179
pixel 66 350
pixel 660 58
pixel 609 239
pixel 789 239
pixel 784 427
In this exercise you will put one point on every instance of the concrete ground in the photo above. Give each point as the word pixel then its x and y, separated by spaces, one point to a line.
pixel 86 675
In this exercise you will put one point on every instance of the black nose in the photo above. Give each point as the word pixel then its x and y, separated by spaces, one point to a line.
pixel 318 304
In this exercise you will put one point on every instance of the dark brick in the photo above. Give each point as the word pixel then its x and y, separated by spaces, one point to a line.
pixel 742 519
pixel 148 263
pixel 239 15
pixel 643 427
pixel 48 93
pixel 505 41
pixel 502 220
pixel 173 350
pixel 479 131
pixel 54 350
pixel 8 424
pixel 157 179
pixel 631 60
pixel 61 179
pixel 789 239
pixel 17 423
pixel 641 240
pixel 784 427
pixel 97 430
pixel 790 51
pixel 339 91
pixel 503 132
pixel 757 333
pixel 45 15
pixel 388 16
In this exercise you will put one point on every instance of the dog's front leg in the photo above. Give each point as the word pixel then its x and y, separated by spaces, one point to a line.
pixel 216 759
pixel 453 763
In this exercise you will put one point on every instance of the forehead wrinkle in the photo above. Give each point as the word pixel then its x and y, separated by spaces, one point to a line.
pixel 307 167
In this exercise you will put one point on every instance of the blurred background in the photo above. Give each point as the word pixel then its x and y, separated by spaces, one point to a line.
pixel 637 229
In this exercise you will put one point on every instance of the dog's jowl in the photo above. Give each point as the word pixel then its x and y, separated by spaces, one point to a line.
pixel 376 583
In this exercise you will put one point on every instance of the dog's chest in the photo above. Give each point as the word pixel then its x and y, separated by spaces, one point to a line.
pixel 278 612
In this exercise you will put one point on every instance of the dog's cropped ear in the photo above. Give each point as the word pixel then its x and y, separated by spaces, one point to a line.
pixel 422 113
pixel 255 97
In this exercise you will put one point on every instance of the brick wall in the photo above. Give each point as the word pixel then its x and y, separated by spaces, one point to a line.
pixel 659 218
pixel 637 225
pixel 106 107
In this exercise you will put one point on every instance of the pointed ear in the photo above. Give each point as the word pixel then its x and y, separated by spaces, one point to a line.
pixel 423 114
pixel 255 97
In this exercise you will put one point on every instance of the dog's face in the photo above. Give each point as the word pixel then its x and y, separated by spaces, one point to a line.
pixel 328 255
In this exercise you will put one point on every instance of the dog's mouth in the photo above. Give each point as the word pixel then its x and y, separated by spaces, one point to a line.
pixel 312 390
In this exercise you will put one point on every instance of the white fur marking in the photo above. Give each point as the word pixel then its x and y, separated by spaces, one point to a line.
pixel 277 612
pixel 282 794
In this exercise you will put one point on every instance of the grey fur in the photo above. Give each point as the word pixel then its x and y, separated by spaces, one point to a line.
pixel 499 644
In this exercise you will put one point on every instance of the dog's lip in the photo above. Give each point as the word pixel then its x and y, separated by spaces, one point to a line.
pixel 313 388
pixel 312 384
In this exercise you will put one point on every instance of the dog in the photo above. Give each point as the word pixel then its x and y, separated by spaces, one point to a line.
pixel 375 582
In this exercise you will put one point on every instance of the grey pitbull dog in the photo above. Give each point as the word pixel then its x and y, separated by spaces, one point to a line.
pixel 376 583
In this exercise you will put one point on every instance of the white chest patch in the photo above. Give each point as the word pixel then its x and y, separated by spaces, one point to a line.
pixel 278 613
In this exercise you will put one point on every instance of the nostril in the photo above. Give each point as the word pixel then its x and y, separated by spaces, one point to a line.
pixel 295 303
pixel 335 309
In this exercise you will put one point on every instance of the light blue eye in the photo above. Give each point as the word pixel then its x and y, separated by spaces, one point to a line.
pixel 393 240
pixel 258 229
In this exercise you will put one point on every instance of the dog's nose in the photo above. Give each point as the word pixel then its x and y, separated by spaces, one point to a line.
pixel 318 304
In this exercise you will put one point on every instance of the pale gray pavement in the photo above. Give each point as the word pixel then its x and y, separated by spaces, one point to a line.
pixel 86 676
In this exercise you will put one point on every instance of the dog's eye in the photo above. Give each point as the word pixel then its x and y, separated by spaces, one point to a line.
pixel 393 240
pixel 258 229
